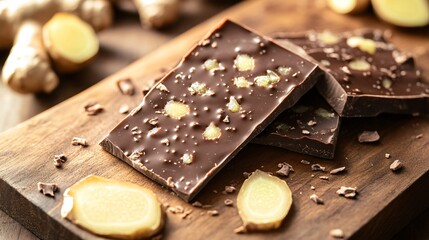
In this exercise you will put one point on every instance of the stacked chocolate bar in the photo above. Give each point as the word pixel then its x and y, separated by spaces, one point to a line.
pixel 235 83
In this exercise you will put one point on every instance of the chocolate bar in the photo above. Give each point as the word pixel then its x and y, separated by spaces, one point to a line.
pixel 366 75
pixel 223 93
pixel 310 127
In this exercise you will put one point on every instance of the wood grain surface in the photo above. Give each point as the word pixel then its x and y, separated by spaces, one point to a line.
pixel 386 201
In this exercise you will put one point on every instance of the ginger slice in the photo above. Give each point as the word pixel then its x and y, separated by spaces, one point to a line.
pixel 113 208
pixel 348 6
pixel 70 41
pixel 263 201
pixel 410 13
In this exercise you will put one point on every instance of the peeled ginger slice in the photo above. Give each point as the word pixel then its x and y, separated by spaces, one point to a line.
pixel 263 201
pixel 113 208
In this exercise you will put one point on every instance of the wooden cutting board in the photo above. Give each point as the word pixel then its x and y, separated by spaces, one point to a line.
pixel 386 201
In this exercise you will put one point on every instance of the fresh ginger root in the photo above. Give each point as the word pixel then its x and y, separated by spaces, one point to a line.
pixel 348 6
pixel 70 41
pixel 27 69
pixel 263 201
pixel 113 208
pixel 157 13
pixel 410 13
pixel 28 62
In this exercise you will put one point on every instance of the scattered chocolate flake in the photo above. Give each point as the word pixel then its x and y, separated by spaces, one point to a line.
pixel 197 204
pixel 337 170
pixel 228 202
pixel 161 87
pixel 93 108
pixel 77 141
pixel 348 192
pixel 396 165
pixel 368 137
pixel 241 229
pixel 336 233
pixel 48 189
pixel 324 177
pixel 124 109
pixel 59 159
pixel 229 189
pixel 419 136
pixel 317 167
pixel 305 162
pixel 316 199
pixel 126 86
pixel 285 169
pixel 312 188
pixel 387 155
pixel 213 213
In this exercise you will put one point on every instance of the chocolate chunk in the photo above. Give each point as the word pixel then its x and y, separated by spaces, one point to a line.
pixel 59 160
pixel 347 192
pixel 316 199
pixel 337 170
pixel 77 141
pixel 93 108
pixel 366 75
pixel 246 74
pixel 126 86
pixel 47 189
pixel 368 137
pixel 285 169
pixel 310 127
pixel 336 233
pixel 213 213
pixel 317 167
pixel 396 165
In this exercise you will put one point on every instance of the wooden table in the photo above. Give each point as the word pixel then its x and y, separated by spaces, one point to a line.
pixel 121 45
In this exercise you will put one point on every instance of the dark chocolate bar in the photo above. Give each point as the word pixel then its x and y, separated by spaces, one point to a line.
pixel 221 95
pixel 310 127
pixel 366 75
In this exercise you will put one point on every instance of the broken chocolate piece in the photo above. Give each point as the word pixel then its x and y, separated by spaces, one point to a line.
pixel 368 137
pixel 337 170
pixel 193 123
pixel 285 169
pixel 93 108
pixel 47 189
pixel 366 75
pixel 396 165
pixel 316 199
pixel 126 86
pixel 59 160
pixel 310 127
pixel 317 167
pixel 336 233
pixel 77 141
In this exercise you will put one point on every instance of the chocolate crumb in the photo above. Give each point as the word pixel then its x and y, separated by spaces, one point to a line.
pixel 213 213
pixel 316 199
pixel 77 141
pixel 368 137
pixel 337 170
pixel 59 160
pixel 48 189
pixel 186 213
pixel 126 86
pixel 124 109
pixel 312 188
pixel 228 202
pixel 229 189
pixel 317 167
pixel 347 192
pixel 93 108
pixel 396 165
pixel 336 233
pixel 324 177
pixel 305 162
pixel 285 169
pixel 241 229
pixel 197 204
pixel 387 155
pixel 305 132
pixel 419 136
pixel 176 209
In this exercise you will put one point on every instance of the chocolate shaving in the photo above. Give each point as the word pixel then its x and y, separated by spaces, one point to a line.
pixel 336 233
pixel 285 169
pixel 337 170
pixel 368 137
pixel 59 160
pixel 316 199
pixel 228 202
pixel 126 86
pixel 396 165
pixel 77 141
pixel 48 189
pixel 93 108
pixel 347 192
pixel 317 167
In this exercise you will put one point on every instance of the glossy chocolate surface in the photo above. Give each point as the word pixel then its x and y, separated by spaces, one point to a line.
pixel 160 146
pixel 310 127
pixel 391 84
